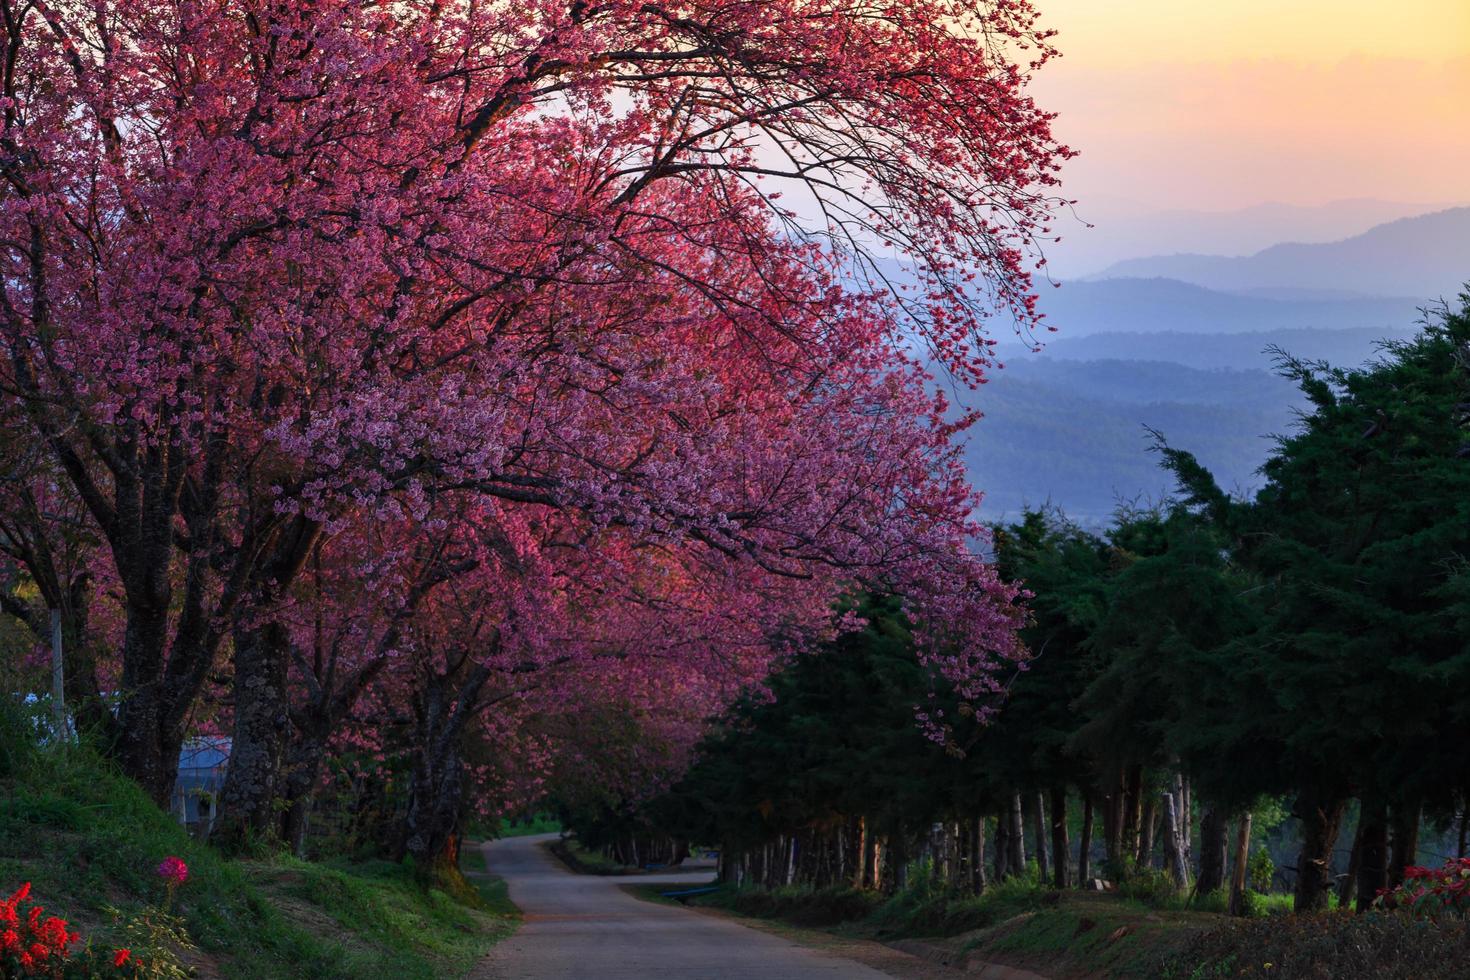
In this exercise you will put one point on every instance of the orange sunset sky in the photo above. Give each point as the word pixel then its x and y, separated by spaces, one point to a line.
pixel 1225 104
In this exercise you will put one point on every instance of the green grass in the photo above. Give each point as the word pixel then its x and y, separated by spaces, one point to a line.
pixel 88 840
pixel 541 823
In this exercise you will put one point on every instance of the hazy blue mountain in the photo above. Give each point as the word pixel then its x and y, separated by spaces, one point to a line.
pixel 1084 307
pixel 1427 256
pixel 1124 229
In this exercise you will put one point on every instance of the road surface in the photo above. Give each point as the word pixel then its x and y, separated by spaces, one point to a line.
pixel 586 927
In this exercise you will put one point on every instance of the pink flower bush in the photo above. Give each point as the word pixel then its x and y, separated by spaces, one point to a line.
pixel 1431 893
pixel 174 871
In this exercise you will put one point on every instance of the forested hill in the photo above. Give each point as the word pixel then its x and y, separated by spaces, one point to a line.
pixel 1085 308
pixel 1225 350
pixel 1072 433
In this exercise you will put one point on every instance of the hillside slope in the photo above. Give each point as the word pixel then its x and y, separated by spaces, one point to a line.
pixel 90 842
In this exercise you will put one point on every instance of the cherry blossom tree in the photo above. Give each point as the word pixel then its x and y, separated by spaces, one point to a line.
pixel 274 269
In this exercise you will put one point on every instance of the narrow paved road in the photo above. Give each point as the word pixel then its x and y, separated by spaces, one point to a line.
pixel 586 926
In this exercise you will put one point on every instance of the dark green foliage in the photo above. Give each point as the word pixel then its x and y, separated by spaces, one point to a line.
pixel 835 735
pixel 1360 541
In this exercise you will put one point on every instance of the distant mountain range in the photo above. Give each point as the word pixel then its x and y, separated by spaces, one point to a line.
pixel 1083 308
pixel 1184 344
pixel 1427 256
pixel 1123 229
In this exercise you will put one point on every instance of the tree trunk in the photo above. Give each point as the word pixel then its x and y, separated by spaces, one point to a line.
pixel 977 855
pixel 141 752
pixel 1186 816
pixel 1321 818
pixel 895 863
pixel 871 857
pixel 1175 858
pixel 431 822
pixel 262 725
pixel 1132 810
pixel 1113 826
pixel 1242 864
pixel 1002 846
pixel 1372 852
pixel 1214 833
pixel 1084 846
pixel 1061 851
pixel 1038 833
pixel 436 789
pixel 1147 828
pixel 302 769
pixel 1348 887
pixel 1405 828
pixel 1016 837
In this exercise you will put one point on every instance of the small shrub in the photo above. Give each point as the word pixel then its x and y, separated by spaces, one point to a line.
pixel 155 940
pixel 804 906
pixel 1150 886
pixel 1262 871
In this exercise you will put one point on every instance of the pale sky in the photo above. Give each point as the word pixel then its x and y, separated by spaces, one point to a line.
pixel 1229 103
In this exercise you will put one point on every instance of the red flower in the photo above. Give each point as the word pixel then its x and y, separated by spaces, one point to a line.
pixel 9 940
pixel 121 957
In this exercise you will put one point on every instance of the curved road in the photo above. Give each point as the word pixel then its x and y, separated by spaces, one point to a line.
pixel 586 926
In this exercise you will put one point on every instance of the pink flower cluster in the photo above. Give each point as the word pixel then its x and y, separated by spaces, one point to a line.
pixel 174 871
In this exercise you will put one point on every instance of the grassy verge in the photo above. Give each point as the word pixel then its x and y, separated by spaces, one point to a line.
pixel 1021 924
pixel 587 862
pixel 89 841
pixel 1100 935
